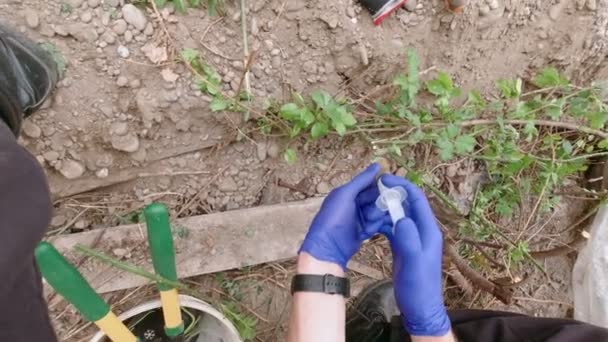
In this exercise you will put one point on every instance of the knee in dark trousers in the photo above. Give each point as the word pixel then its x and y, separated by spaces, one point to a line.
pixel 25 212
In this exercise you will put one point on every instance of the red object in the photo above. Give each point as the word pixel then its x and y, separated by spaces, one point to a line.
pixel 385 12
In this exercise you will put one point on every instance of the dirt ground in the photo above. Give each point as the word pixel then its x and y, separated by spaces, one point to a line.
pixel 126 112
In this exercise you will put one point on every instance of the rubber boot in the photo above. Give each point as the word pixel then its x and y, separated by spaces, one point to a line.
pixel 369 319
pixel 28 74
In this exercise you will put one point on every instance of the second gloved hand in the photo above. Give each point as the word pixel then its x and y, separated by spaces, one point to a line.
pixel 417 256
pixel 340 227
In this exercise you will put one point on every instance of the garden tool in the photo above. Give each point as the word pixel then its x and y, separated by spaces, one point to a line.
pixel 380 9
pixel 160 240
pixel 69 283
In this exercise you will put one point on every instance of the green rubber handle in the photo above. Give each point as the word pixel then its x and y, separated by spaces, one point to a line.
pixel 160 240
pixel 69 283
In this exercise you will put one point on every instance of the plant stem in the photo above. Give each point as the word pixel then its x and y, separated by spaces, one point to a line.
pixel 129 267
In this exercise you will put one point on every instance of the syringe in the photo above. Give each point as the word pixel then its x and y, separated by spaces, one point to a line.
pixel 390 200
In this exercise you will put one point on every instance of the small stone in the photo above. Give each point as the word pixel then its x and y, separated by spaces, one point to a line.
pixel 81 224
pixel 123 51
pixel 122 81
pixel 261 151
pixel 93 3
pixel 61 30
pixel 51 156
pixel 102 173
pixel 82 32
pixel 135 84
pixel 275 52
pixel 493 4
pixel 554 12
pixel 227 184
pixel 119 128
pixel 128 143
pixel 401 172
pixel 592 5
pixel 71 169
pixel 134 16
pixel 183 125
pixel 58 221
pixel 120 252
pixel 273 150
pixel 120 27
pixel 350 11
pixel 108 37
pixel 149 30
pixel 484 10
pixel 128 36
pixel 323 188
pixel 410 5
pixel 86 17
pixel 112 3
pixel 32 19
pixel 169 76
pixel 31 130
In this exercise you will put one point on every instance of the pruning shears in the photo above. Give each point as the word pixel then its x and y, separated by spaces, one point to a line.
pixel 70 283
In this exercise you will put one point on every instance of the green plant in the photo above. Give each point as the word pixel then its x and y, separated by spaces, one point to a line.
pixel 181 5
pixel 56 55
pixel 244 324
pixel 209 82
pixel 66 8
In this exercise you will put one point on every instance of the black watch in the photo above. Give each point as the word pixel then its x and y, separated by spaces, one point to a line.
pixel 320 283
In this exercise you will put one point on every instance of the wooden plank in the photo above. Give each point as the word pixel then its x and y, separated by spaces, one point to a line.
pixel 204 244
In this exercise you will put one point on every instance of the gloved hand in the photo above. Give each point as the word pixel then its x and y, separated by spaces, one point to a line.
pixel 417 247
pixel 339 228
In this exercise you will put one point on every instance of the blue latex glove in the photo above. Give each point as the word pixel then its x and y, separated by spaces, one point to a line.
pixel 339 228
pixel 417 255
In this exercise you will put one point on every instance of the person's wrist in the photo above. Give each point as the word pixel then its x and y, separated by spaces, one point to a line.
pixel 307 264
pixel 436 323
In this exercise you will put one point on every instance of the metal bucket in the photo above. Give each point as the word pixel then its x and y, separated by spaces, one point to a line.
pixel 223 329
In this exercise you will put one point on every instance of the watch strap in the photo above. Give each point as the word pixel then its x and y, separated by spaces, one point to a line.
pixel 327 283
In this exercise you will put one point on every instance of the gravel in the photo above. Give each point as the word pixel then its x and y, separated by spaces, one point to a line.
pixel 134 16
pixel 71 169
pixel 127 143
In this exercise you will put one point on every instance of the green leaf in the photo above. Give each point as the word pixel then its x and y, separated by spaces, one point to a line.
pixel 195 3
pixel 603 144
pixel 212 4
pixel 319 129
pixel 452 131
pixel 509 89
pixel 340 128
pixel 440 86
pixel 549 77
pixel 347 118
pixel 476 100
pixel 219 104
pixel 289 155
pixel 597 119
pixel 321 98
pixel 555 108
pixel 530 130
pixel 290 112
pixel 503 208
pixel 446 148
pixel 180 6
pixel 567 147
pixel 465 144
pixel 409 85
pixel 395 149
pixel 190 55
pixel 298 98
pixel 160 3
